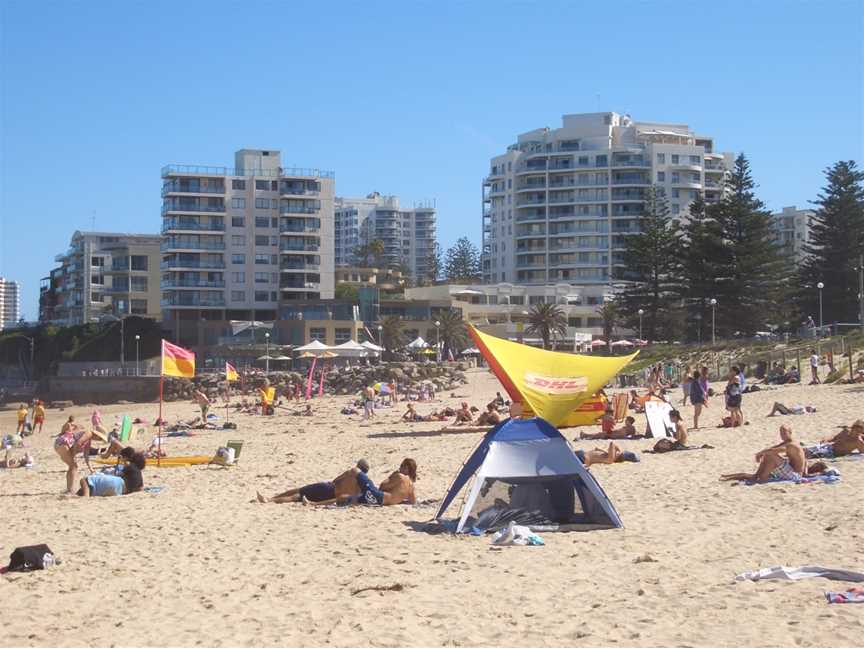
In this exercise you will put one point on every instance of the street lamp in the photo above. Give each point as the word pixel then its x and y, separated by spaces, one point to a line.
pixel 820 286
pixel 380 336
pixel 267 354
pixel 137 356
pixel 438 341
pixel 713 320
pixel 641 313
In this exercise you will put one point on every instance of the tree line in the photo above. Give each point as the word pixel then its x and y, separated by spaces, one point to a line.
pixel 460 264
pixel 723 267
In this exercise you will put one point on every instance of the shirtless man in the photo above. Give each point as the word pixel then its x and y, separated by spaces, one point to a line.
pixel 368 402
pixel 411 415
pixel 679 440
pixel 203 402
pixel 785 460
pixel 845 442
pixel 626 431
pixel 345 485
pixel 463 415
pixel 613 454
pixel 489 417
pixel 398 488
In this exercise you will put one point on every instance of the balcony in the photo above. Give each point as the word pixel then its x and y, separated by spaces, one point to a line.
pixel 180 244
pixel 301 285
pixel 175 186
pixel 181 225
pixel 300 267
pixel 631 163
pixel 170 206
pixel 298 191
pixel 191 283
pixel 300 209
pixel 193 301
pixel 631 180
pixel 195 169
pixel 291 228
pixel 290 246
pixel 191 264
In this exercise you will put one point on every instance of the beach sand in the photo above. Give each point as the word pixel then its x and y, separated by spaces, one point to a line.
pixel 198 564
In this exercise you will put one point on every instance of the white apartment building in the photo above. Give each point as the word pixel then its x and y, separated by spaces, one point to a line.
pixel 238 242
pixel 102 273
pixel 791 227
pixel 10 303
pixel 558 204
pixel 408 234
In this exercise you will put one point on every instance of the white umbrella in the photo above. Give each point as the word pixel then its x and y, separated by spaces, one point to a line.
pixel 372 346
pixel 598 343
pixel 314 347
pixel 350 349
pixel 622 343
pixel 419 343
pixel 471 351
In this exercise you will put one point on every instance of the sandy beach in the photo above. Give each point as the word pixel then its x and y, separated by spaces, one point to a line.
pixel 198 564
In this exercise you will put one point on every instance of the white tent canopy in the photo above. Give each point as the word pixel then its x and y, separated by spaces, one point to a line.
pixel 314 347
pixel 350 349
pixel 419 343
pixel 371 346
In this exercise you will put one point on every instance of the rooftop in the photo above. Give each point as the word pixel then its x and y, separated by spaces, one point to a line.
pixel 281 172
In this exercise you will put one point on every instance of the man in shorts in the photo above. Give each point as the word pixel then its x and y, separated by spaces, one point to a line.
pixel 346 484
pixel 784 461
pixel 203 402
pixel 398 488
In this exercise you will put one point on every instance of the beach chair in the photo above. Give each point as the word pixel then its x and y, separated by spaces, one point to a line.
pixel 237 447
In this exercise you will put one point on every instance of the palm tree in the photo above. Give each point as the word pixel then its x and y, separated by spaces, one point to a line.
pixel 609 314
pixel 452 332
pixel 547 321
pixel 376 250
pixel 391 334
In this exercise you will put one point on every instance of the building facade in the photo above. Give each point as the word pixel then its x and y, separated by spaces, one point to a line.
pixel 408 235
pixel 238 242
pixel 791 228
pixel 558 204
pixel 103 273
pixel 10 303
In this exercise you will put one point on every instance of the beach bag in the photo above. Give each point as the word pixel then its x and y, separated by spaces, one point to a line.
pixel 31 558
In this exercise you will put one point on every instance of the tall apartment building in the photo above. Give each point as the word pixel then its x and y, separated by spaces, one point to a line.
pixel 10 303
pixel 791 228
pixel 558 204
pixel 238 242
pixel 102 273
pixel 408 234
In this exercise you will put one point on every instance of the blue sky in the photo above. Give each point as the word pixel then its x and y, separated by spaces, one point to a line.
pixel 409 98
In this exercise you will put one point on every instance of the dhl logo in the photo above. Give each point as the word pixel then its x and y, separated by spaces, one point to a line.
pixel 556 385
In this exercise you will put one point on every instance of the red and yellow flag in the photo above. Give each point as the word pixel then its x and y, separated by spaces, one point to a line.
pixel 230 373
pixel 177 361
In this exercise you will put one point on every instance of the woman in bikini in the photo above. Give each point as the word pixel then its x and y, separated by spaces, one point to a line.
pixel 71 442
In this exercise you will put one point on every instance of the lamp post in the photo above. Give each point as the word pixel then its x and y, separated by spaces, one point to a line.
pixel 820 286
pixel 437 341
pixel 137 356
pixel 641 313
pixel 713 320
pixel 699 328
pixel 267 354
pixel 380 336
pixel 123 345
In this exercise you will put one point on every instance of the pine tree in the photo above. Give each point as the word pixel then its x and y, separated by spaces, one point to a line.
pixel 836 243
pixel 435 264
pixel 653 263
pixel 463 262
pixel 760 274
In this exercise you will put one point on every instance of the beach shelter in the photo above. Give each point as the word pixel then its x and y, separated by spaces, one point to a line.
pixel 315 347
pixel 371 346
pixel 350 349
pixel 524 471
pixel 418 343
pixel 548 383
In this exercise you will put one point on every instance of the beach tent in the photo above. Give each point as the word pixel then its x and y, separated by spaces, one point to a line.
pixel 314 347
pixel 524 471
pixel 548 383
pixel 350 349
pixel 371 346
pixel 418 343
pixel 622 343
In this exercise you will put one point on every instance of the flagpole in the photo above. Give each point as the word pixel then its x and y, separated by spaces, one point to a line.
pixel 161 422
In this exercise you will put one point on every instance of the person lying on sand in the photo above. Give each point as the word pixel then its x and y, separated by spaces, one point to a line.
pixel 489 417
pixel 398 488
pixel 10 462
pixel 796 410
pixel 345 485
pixel 785 460
pixel 306 412
pixel 842 444
pixel 613 454
pixel 411 415
pixel 107 485
pixel 626 431
pixel 463 415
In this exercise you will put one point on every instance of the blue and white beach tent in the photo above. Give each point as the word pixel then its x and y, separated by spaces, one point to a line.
pixel 524 470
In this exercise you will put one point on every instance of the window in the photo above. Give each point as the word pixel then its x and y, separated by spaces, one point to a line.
pixel 238 277
pixel 535 299
pixel 238 221
pixel 262 259
pixel 262 277
pixel 676 208
pixel 139 261
pixel 261 185
pixel 262 240
pixel 317 334
pixel 238 185
pixel 583 160
pixel 139 284
pixel 273 296
pixel 595 322
pixel 600 161
pixel 661 176
pixel 342 335
pixel 675 159
pixel 238 203
pixel 238 239
pixel 262 203
pixel 262 296
pixel 575 322
pixel 675 177
pixel 274 240
pixel 138 307
pixel 262 221
pixel 97 262
pixel 661 158
pixel 695 159
pixel 274 259
pixel 509 166
pixel 238 296
pixel 676 193
pixel 238 259
pixel 274 222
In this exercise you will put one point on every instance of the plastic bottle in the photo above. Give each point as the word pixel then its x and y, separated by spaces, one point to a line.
pixel 48 561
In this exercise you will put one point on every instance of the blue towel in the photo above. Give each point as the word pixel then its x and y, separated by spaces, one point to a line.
pixel 823 479
pixel 154 489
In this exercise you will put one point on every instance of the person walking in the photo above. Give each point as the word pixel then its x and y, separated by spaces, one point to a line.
pixel 697 397
pixel 814 368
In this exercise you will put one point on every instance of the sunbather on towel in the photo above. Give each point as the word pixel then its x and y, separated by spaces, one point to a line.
pixel 626 431
pixel 398 488
pixel 463 415
pixel 11 462
pixel 344 485
pixel 679 440
pixel 780 408
pixel 613 454
pixel 844 443
pixel 783 461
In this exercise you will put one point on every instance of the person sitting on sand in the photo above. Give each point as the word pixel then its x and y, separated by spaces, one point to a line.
pixel 411 415
pixel 489 417
pixel 463 415
pixel 796 410
pixel 783 461
pixel 613 454
pixel 842 444
pixel 10 462
pixel 398 488
pixel 626 431
pixel 344 485
pixel 679 436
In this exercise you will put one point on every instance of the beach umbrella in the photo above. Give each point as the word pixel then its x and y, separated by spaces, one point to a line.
pixel 371 346
pixel 265 357
pixel 622 343
pixel 306 355
pixel 329 354
pixel 597 343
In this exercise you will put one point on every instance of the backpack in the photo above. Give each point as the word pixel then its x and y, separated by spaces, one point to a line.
pixel 31 558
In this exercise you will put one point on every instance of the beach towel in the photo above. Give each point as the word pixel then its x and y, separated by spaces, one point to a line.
pixel 799 573
pixel 154 489
pixel 831 477
pixel 515 534
pixel 853 595
pixel 704 446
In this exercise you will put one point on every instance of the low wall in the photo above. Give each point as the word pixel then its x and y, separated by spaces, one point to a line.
pixel 101 390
